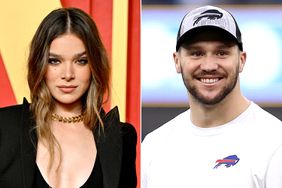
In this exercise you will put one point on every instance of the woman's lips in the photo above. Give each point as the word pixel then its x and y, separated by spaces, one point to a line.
pixel 67 89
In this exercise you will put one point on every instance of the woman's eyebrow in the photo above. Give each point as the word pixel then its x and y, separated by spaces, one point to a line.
pixel 75 55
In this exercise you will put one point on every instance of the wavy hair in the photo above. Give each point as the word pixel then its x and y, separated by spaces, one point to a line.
pixel 55 24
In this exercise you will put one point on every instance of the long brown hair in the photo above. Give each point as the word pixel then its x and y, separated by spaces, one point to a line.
pixel 57 23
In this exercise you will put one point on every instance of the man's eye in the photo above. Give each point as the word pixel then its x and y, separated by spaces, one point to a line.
pixel 222 53
pixel 82 61
pixel 53 61
pixel 196 53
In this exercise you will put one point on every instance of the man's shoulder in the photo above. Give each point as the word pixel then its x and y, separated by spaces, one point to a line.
pixel 265 117
pixel 264 124
pixel 165 131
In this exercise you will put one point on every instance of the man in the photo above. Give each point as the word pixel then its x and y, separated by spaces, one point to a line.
pixel 223 140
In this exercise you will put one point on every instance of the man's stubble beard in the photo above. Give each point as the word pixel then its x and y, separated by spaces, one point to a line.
pixel 219 97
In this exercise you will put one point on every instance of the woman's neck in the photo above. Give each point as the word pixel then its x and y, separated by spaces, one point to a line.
pixel 67 110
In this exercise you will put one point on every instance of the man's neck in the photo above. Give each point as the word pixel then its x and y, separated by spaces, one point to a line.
pixel 218 114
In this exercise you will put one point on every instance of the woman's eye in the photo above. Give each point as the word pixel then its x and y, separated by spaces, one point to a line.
pixel 53 61
pixel 82 61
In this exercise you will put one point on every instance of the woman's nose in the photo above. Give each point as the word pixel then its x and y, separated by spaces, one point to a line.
pixel 68 71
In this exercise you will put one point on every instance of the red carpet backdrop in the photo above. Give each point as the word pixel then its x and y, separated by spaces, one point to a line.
pixel 119 25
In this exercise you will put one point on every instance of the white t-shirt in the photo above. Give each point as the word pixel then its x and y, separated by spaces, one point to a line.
pixel 244 153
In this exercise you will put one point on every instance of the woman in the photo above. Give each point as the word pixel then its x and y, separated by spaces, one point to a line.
pixel 64 138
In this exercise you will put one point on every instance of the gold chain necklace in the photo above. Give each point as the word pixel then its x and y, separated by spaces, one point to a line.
pixel 74 119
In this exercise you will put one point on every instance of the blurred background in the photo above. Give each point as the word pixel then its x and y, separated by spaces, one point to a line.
pixel 163 93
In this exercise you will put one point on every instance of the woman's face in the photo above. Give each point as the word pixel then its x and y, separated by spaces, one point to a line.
pixel 68 73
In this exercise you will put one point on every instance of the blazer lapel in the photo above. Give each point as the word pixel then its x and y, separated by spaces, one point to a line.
pixel 109 148
pixel 28 142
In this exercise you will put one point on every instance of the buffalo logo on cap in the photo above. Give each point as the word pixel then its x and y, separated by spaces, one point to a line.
pixel 209 14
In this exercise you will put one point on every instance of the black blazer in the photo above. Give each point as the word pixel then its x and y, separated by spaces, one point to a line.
pixel 116 148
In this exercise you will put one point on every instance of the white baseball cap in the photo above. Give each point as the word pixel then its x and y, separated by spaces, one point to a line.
pixel 208 17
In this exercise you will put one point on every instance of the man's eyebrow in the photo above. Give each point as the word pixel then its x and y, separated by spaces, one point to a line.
pixel 220 46
pixel 226 45
pixel 192 47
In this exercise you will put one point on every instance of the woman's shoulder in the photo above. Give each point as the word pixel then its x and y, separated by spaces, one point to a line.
pixel 112 118
pixel 11 109
pixel 128 129
pixel 14 108
pixel 10 115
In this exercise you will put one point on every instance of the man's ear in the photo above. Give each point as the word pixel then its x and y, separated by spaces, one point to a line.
pixel 242 61
pixel 177 62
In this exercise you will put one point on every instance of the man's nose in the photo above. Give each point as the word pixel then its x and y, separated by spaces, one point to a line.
pixel 209 63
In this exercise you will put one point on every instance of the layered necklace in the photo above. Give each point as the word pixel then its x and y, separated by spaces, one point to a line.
pixel 73 119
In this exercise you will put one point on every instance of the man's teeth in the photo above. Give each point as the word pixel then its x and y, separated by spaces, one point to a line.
pixel 209 80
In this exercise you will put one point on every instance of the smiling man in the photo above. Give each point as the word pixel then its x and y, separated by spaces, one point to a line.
pixel 224 139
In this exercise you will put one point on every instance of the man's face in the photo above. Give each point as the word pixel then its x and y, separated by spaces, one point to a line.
pixel 209 67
